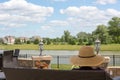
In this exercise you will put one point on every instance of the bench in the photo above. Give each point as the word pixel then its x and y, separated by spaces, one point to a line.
pixel 49 74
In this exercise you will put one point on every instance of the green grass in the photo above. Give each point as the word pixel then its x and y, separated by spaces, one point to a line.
pixel 62 47
pixel 20 46
pixel 61 66
pixel 109 47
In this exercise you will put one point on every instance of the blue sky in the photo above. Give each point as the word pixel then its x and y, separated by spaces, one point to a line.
pixel 49 18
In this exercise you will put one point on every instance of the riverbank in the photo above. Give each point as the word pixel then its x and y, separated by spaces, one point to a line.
pixel 108 47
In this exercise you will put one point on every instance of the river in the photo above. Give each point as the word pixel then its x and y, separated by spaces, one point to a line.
pixel 64 52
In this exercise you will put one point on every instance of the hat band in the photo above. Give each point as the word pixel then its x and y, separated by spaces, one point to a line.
pixel 87 56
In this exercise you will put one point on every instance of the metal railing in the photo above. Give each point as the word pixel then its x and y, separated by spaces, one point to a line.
pixel 64 59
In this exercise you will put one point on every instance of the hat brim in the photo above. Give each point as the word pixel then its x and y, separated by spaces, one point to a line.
pixel 93 61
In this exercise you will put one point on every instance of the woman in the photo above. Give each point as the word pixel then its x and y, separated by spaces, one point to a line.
pixel 88 60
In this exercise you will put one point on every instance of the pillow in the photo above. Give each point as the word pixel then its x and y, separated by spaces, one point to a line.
pixel 40 63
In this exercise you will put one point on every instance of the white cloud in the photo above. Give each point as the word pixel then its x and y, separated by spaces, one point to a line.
pixel 45 27
pixel 17 12
pixel 104 2
pixel 112 12
pixel 57 0
pixel 58 23
pixel 47 31
pixel 88 16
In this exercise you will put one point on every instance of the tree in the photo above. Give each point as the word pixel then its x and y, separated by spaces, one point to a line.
pixel 47 41
pixel 28 42
pixel 114 29
pixel 36 41
pixel 66 35
pixel 82 38
pixel 1 40
pixel 101 33
pixel 72 40
pixel 17 41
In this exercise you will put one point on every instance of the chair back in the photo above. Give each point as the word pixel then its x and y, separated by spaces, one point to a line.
pixel 8 59
pixel 16 52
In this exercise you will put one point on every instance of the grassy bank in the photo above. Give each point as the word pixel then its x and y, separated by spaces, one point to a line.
pixel 109 47
pixel 61 66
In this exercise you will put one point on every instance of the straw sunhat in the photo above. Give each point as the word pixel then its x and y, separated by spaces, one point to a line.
pixel 87 57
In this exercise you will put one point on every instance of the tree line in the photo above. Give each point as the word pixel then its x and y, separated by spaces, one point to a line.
pixel 109 34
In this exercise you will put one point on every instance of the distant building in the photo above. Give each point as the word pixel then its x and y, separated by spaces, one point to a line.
pixel 9 40
pixel 12 39
pixel 23 39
